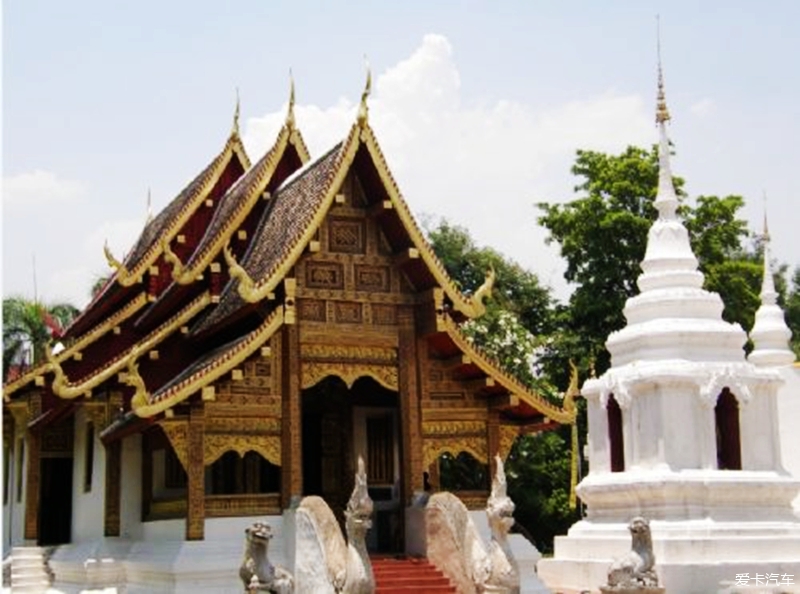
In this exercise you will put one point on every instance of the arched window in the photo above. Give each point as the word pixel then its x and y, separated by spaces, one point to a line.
pixel 726 416
pixel 616 444
pixel 462 473
pixel 233 474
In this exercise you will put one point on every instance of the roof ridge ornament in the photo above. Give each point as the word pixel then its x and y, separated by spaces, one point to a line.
pixel 290 121
pixel 236 111
pixel 363 108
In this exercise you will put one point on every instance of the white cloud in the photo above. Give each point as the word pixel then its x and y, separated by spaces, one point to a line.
pixel 479 166
pixel 703 107
pixel 34 189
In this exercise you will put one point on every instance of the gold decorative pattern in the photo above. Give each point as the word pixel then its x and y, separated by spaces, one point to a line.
pixel 64 389
pixel 312 310
pixel 347 236
pixel 313 372
pixel 347 352
pixel 513 385
pixel 227 506
pixel 372 278
pixel 177 432
pixel 216 444
pixel 177 272
pixel 433 448
pixel 439 428
pixel 363 108
pixel 324 275
pixel 508 434
pixel 81 343
pixel 115 264
pixel 252 425
pixel 214 369
pixel 348 312
pixel 384 314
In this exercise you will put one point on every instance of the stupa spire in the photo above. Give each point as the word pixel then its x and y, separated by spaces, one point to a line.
pixel 666 199
pixel 770 334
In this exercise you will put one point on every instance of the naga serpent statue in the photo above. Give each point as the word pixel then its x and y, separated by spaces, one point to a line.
pixel 635 569
pixel 456 548
pixel 324 563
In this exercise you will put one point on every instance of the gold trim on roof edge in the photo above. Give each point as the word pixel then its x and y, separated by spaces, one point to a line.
pixel 233 146
pixel 185 275
pixel 64 389
pixel 143 404
pixel 81 343
pixel 472 307
pixel 514 386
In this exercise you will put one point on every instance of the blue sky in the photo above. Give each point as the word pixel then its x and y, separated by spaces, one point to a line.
pixel 479 107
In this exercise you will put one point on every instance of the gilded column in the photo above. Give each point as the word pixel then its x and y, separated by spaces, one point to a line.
pixel 196 507
pixel 113 488
pixel 409 404
pixel 292 422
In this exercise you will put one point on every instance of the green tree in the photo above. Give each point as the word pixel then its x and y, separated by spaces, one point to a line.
pixel 792 309
pixel 28 326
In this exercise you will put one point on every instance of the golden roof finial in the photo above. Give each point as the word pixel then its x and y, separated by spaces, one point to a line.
pixel 766 236
pixel 235 128
pixel 363 109
pixel 662 113
pixel 290 109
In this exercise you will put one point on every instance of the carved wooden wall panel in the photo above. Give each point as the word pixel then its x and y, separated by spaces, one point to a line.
pixel 324 275
pixel 347 235
pixel 372 278
pixel 113 494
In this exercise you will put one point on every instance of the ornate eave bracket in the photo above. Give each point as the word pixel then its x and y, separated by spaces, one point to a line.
pixel 179 273
pixel 247 287
pixel 484 292
pixel 123 275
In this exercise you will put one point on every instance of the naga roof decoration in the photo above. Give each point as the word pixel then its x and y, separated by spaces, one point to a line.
pixel 204 371
pixel 487 365
pixel 64 388
pixel 79 343
pixel 238 202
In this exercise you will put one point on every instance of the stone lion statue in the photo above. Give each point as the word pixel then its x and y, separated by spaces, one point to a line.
pixel 636 569
pixel 256 571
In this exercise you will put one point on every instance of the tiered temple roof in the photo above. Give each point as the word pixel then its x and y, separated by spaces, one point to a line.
pixel 198 319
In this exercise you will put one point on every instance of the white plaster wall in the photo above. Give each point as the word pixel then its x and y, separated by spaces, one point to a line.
pixel 14 510
pixel 599 457
pixel 757 434
pixel 88 507
pixel 788 419
pixel 131 525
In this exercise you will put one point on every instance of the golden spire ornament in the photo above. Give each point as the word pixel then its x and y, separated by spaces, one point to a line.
pixel 363 109
pixel 662 113
pixel 290 110
pixel 235 128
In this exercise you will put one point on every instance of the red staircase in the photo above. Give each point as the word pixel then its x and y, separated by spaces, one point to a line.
pixel 405 575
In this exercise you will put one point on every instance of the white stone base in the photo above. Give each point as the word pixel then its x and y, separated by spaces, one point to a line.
pixel 692 557
pixel 164 566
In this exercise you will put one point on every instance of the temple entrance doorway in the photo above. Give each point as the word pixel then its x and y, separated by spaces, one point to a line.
pixel 55 484
pixel 339 424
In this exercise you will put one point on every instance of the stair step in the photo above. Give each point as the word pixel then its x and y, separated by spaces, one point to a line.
pixel 406 575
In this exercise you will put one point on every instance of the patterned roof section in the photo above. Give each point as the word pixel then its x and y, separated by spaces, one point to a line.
pixel 240 198
pixel 169 221
pixel 294 207
pixel 208 368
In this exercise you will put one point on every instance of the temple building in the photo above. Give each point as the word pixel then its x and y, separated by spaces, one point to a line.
pixel 684 430
pixel 272 323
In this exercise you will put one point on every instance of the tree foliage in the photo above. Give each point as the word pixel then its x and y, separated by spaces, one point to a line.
pixel 28 325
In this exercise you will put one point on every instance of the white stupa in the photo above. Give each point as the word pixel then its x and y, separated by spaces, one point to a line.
pixel 683 430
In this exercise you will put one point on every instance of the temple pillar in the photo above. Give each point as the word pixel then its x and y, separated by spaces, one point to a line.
pixel 33 453
pixel 288 345
pixel 493 439
pixel 408 379
pixel 195 471
pixel 113 489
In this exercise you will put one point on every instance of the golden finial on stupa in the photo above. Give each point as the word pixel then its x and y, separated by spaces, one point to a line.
pixel 766 227
pixel 290 109
pixel 662 113
pixel 235 128
pixel 363 109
